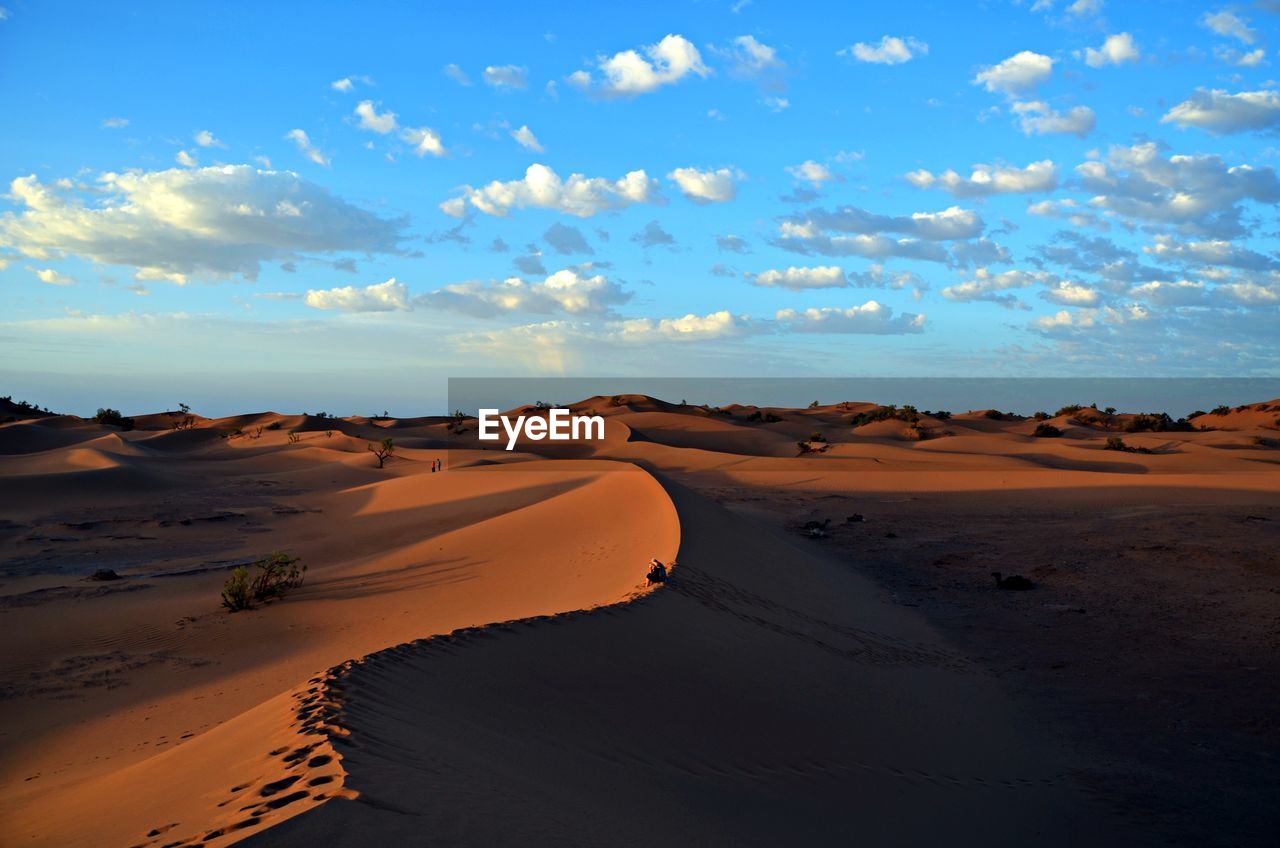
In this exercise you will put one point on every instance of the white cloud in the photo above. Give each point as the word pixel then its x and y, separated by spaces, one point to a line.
pixel 987 180
pixel 456 74
pixel 423 140
pixel 811 172
pixel 1083 8
pixel 1199 194
pixel 1228 25
pixel 1017 74
pixel 185 159
pixel 205 138
pixel 876 277
pixel 569 291
pixel 1220 112
pixel 716 325
pixel 890 50
pixel 1037 118
pixel 390 296
pixel 303 143
pixel 799 279
pixel 629 73
pixel 994 287
pixel 115 123
pixel 178 223
pixel 749 58
pixel 1171 293
pixel 705 186
pixel 344 85
pixel 542 188
pixel 525 138
pixel 1067 293
pixel 506 76
pixel 775 104
pixel 1252 59
pixel 1116 50
pixel 372 121
pixel 51 277
pixel 870 318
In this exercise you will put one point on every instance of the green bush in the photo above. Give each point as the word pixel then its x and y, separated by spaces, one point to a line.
pixel 1046 431
pixel 1115 443
pixel 277 575
pixel 113 418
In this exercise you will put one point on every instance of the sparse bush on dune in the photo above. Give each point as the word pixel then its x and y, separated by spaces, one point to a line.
pixel 1220 410
pixel 1071 409
pixel 277 575
pixel 771 418
pixel 814 405
pixel 384 452
pixel 1046 431
pixel 1041 416
pixel 994 414
pixel 1115 443
pixel 328 434
pixel 274 425
pixel 817 437
pixel 294 438
pixel 112 417
pixel 885 413
pixel 458 425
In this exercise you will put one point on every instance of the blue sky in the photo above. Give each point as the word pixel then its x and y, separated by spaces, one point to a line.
pixel 306 206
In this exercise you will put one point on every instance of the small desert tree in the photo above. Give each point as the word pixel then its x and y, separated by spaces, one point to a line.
pixel 383 452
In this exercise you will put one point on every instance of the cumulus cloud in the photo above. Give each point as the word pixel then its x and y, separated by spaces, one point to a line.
pixel 204 138
pixel 303 143
pixel 748 58
pixel 177 223
pixel 705 186
pixel 799 279
pixel 1229 25
pixel 890 50
pixel 1019 73
pixel 1037 118
pixel 850 231
pixel 569 291
pixel 985 180
pixel 634 72
pixel 566 240
pixel 1211 252
pixel 390 296
pixel 732 244
pixel 653 236
pixel 1231 56
pixel 186 160
pixel 1221 112
pixel 716 325
pixel 372 121
pixel 1069 210
pixel 506 77
pixel 424 141
pixel 814 173
pixel 542 188
pixel 1067 293
pixel 456 74
pixel 877 277
pixel 526 139
pixel 1198 194
pixel 344 85
pixel 51 277
pixel 1170 293
pixel 996 287
pixel 1115 50
pixel 870 318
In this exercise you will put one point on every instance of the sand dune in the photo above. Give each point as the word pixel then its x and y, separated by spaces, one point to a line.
pixel 473 658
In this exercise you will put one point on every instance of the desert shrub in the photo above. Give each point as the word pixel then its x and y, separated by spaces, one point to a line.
pixel 236 594
pixel 1041 416
pixel 1046 431
pixel 916 433
pixel 817 437
pixel 1155 423
pixel 771 418
pixel 885 413
pixel 294 438
pixel 458 424
pixel 274 425
pixel 113 417
pixel 814 405
pixel 328 434
pixel 754 417
pixel 1072 409
pixel 942 415
pixel 276 576
pixel 994 414
pixel 1115 443
pixel 1220 410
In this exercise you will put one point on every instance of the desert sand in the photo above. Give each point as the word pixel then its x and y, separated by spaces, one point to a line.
pixel 475 658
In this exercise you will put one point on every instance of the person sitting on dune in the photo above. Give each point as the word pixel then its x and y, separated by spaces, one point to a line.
pixel 657 572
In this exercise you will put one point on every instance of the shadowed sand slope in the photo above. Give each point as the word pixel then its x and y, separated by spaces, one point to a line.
pixel 762 697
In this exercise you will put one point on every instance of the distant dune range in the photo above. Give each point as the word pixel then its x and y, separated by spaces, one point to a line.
pixel 474 658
